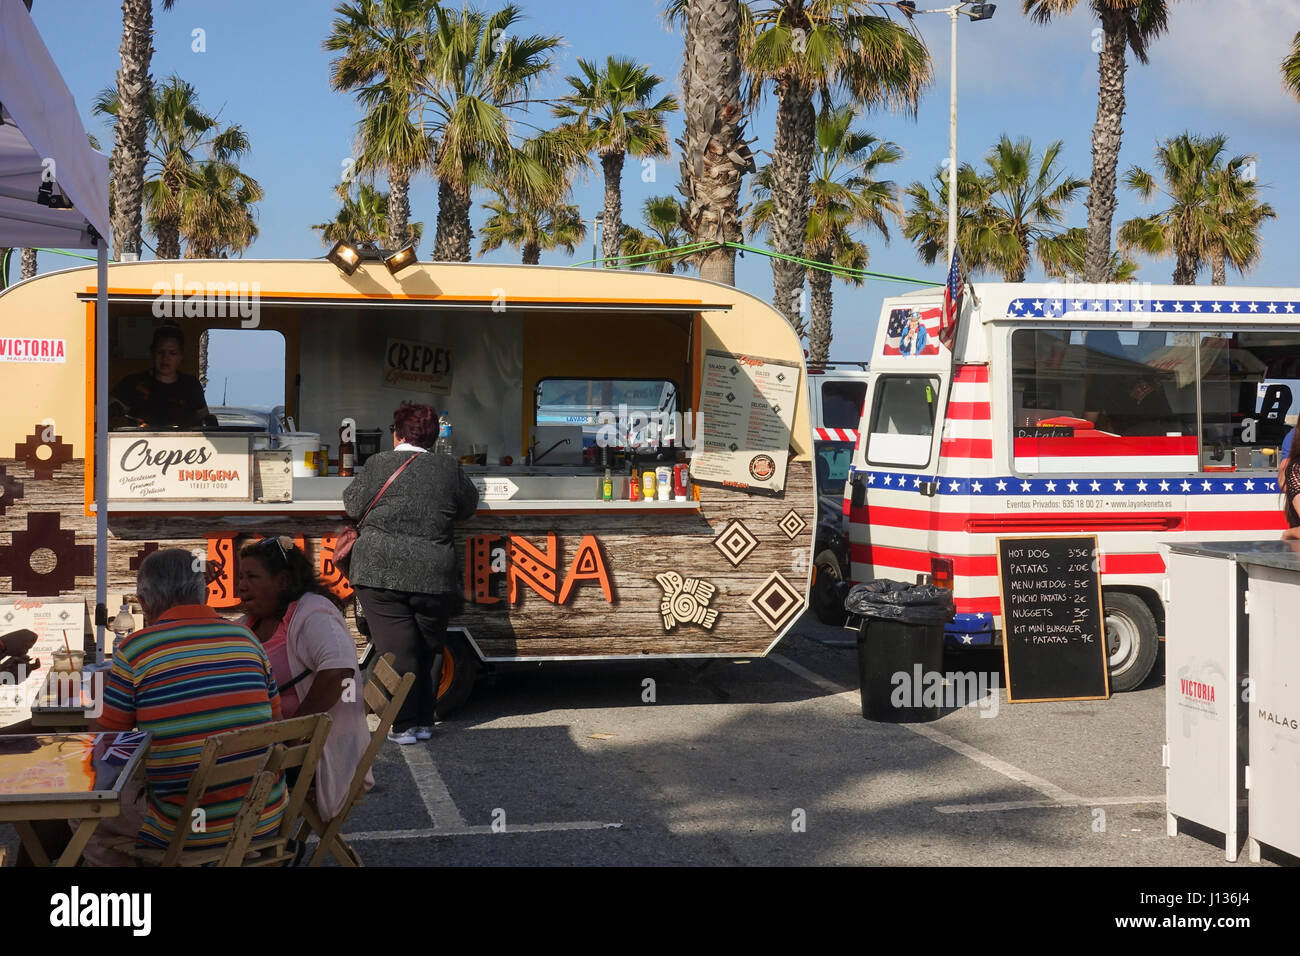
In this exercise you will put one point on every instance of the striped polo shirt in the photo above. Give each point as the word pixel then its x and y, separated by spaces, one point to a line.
pixel 190 675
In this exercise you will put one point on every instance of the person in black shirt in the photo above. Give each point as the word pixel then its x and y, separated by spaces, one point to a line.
pixel 162 396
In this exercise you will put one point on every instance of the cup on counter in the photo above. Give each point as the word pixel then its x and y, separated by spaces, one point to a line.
pixel 479 453
pixel 67 662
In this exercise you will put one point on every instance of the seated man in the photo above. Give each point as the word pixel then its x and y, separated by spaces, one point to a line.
pixel 187 675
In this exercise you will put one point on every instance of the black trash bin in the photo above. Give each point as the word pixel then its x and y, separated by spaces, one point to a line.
pixel 900 632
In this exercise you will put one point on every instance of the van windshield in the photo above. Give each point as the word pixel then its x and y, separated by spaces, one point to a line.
pixel 902 420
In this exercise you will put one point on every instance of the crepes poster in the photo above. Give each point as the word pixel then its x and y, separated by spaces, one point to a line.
pixel 52 619
pixel 746 414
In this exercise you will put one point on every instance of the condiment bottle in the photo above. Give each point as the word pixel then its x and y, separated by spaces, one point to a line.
pixel 347 450
pixel 607 487
pixel 634 487
pixel 648 484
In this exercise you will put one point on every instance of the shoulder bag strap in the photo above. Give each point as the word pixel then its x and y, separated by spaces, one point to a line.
pixel 375 500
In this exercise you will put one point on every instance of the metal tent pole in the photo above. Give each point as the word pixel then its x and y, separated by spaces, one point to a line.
pixel 101 444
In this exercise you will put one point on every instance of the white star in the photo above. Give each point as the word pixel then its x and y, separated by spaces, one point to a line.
pixel 1227 486
pixel 1235 307
pixel 1186 486
pixel 1137 305
pixel 1250 485
pixel 1097 306
pixel 1002 486
pixel 888 480
pixel 1158 305
pixel 1142 486
pixel 1205 486
pixel 1119 486
pixel 1038 305
pixel 981 616
pixel 1216 306
pixel 952 486
pixel 1017 306
pixel 1290 306
pixel 1095 486
pixel 916 482
pixel 1073 486
pixel 1051 486
pixel 977 487
pixel 1196 307
pixel 1024 486
pixel 1178 307
pixel 1164 486
pixel 1076 305
pixel 1272 307
pixel 871 478
pixel 1254 307
pixel 965 638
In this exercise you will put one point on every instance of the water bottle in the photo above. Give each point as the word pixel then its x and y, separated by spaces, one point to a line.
pixel 443 445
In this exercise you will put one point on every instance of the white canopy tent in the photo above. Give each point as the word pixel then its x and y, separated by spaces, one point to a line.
pixel 54 192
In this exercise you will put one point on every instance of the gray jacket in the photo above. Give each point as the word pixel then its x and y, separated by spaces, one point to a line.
pixel 407 542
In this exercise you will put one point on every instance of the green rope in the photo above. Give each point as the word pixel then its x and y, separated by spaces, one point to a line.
pixel 71 255
pixel 843 272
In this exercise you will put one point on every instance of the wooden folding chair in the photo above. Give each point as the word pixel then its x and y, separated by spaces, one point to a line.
pixel 384 695
pixel 259 755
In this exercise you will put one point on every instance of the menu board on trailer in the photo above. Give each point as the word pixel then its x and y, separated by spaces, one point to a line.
pixel 1053 634
pixel 53 620
pixel 746 414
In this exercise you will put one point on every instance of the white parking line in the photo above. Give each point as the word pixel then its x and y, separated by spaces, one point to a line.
pixel 443 812
pixel 1047 804
pixel 422 833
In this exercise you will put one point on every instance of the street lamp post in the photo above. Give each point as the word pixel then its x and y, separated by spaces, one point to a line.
pixel 595 230
pixel 977 11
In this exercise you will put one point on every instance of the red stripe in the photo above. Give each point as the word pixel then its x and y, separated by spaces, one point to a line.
pixel 927 350
pixel 1236 521
pixel 1132 564
pixel 972 373
pixel 966 448
pixel 970 411
pixel 973 565
pixel 980 605
pixel 1082 446
pixel 1004 522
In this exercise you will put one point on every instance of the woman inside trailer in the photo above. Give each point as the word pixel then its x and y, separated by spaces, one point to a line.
pixel 161 396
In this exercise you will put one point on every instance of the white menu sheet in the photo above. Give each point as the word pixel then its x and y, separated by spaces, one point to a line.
pixel 746 414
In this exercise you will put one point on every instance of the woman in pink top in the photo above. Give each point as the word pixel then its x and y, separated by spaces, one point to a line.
pixel 312 656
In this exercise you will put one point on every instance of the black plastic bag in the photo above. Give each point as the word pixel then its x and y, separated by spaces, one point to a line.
pixel 898 601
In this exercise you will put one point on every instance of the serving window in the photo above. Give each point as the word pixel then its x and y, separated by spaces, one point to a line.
pixel 1153 400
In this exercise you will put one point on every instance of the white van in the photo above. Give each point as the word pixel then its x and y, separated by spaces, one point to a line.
pixel 836 392
pixel 1129 412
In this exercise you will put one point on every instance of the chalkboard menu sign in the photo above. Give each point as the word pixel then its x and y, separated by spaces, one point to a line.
pixel 1053 638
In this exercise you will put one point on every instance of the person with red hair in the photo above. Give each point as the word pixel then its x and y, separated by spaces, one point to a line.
pixel 404 562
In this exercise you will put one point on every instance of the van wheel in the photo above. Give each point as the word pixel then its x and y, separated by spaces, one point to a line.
pixel 460 667
pixel 1131 639
pixel 826 601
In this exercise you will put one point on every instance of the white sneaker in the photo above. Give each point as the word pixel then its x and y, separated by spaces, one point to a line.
pixel 422 733
pixel 403 737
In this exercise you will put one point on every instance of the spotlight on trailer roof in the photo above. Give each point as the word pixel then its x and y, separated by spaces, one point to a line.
pixel 345 255
pixel 399 260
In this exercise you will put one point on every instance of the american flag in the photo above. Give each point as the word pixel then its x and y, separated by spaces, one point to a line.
pixel 951 301
pixel 897 328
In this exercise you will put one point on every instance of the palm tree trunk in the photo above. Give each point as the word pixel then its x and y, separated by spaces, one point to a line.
pixel 203 358
pixel 532 253
pixel 452 243
pixel 612 220
pixel 1106 135
pixel 1185 268
pixel 715 156
pixel 399 208
pixel 819 332
pixel 29 263
pixel 792 158
pixel 169 239
pixel 1219 266
pixel 133 87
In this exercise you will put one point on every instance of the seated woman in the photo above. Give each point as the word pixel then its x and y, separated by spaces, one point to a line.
pixel 162 396
pixel 312 657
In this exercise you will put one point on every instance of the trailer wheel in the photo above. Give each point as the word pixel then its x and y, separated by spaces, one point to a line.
pixel 1131 639
pixel 460 667
pixel 826 602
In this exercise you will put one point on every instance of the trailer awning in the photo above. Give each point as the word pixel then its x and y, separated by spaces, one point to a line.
pixel 483 303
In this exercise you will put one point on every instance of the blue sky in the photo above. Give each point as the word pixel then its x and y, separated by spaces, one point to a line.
pixel 1216 70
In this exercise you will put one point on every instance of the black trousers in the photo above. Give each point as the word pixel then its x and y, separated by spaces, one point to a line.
pixel 413 627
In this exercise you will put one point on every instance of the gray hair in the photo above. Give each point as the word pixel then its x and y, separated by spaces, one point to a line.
pixel 170 577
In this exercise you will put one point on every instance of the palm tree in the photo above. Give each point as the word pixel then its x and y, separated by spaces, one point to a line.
pixel 477 72
pixel 1125 25
pixel 614 111
pixel 363 217
pixel 178 130
pixel 217 211
pixel 1291 68
pixel 801 47
pixel 845 194
pixel 129 154
pixel 382 45
pixel 534 229
pixel 1063 257
pixel 661 216
pixel 1208 213
pixel 1017 204
pixel 715 154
